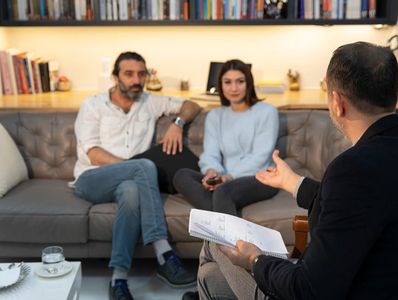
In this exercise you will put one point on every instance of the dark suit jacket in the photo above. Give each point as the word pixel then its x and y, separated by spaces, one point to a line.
pixel 353 218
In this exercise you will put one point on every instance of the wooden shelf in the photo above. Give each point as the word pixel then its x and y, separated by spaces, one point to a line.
pixel 305 99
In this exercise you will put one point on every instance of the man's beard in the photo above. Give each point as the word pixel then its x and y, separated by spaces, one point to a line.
pixel 129 93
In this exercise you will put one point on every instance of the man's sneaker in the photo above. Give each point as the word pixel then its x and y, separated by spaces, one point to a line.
pixel 174 274
pixel 120 291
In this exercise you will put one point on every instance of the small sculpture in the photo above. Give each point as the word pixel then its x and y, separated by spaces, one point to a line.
pixel 294 84
pixel 64 84
pixel 153 83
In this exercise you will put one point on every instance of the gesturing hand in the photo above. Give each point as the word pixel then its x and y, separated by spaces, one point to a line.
pixel 281 176
pixel 172 140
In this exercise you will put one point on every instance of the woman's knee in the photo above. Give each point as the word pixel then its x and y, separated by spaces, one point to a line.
pixel 181 176
pixel 221 193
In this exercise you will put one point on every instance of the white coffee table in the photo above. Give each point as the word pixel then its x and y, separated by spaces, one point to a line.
pixel 33 287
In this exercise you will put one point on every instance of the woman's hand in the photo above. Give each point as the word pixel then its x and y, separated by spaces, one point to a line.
pixel 211 175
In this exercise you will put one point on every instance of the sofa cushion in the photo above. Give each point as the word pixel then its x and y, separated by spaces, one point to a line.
pixel 46 140
pixel 309 141
pixel 43 211
pixel 101 217
pixel 177 211
pixel 175 207
pixel 13 169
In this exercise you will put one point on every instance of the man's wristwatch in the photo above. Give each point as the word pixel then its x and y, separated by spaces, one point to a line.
pixel 254 264
pixel 179 122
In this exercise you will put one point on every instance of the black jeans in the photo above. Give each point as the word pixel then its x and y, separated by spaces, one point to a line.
pixel 227 198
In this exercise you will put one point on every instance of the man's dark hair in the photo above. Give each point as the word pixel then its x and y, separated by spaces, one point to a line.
pixel 238 65
pixel 126 56
pixel 366 74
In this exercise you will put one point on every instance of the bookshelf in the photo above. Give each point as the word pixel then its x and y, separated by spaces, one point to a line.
pixel 291 14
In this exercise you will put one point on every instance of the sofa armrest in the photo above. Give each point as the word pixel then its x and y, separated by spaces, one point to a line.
pixel 300 227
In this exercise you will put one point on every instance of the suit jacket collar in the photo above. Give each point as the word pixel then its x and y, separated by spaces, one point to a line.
pixel 381 125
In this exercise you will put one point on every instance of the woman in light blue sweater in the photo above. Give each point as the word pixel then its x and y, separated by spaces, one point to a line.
pixel 239 139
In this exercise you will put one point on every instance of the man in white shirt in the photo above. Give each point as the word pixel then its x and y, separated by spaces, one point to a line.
pixel 110 129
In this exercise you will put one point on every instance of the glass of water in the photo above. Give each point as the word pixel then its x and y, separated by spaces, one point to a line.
pixel 52 258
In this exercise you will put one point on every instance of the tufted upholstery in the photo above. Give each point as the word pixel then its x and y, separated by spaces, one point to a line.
pixel 43 210
pixel 47 141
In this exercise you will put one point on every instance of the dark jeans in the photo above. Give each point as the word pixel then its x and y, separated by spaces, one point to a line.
pixel 227 198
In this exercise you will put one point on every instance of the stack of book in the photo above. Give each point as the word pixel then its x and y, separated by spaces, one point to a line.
pixel 334 9
pixel 270 87
pixel 23 73
pixel 80 10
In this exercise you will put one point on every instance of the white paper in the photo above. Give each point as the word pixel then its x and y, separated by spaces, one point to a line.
pixel 226 229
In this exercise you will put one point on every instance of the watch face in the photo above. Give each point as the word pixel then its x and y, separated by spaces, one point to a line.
pixel 179 122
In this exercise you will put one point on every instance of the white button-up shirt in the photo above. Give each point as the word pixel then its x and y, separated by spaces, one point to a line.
pixel 100 123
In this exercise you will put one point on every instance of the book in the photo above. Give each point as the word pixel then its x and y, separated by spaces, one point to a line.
pixel 6 74
pixel 44 76
pixel 10 53
pixel 227 229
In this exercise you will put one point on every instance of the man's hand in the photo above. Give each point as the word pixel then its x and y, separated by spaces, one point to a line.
pixel 100 157
pixel 242 255
pixel 282 176
pixel 172 140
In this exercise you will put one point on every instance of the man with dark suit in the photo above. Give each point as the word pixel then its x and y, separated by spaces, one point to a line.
pixel 353 211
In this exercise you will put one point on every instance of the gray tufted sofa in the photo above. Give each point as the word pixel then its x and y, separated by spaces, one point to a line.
pixel 43 210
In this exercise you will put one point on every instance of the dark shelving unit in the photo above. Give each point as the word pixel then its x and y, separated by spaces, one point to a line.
pixel 387 12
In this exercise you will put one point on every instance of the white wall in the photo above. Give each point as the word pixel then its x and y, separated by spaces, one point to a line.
pixel 3 38
pixel 185 51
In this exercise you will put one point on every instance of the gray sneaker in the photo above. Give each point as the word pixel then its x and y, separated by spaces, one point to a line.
pixel 174 274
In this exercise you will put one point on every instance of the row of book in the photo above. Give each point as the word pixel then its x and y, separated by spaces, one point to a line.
pixel 23 73
pixel 336 9
pixel 101 10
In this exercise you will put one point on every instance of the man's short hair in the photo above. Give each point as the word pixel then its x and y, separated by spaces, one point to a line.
pixel 366 74
pixel 126 56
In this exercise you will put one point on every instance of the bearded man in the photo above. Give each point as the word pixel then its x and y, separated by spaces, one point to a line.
pixel 111 128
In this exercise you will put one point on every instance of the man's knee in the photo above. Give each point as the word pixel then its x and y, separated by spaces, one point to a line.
pixel 147 164
pixel 212 284
pixel 127 195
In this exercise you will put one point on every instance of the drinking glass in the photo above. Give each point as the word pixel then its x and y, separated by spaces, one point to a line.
pixel 52 258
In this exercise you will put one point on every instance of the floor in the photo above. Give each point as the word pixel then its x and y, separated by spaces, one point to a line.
pixel 142 281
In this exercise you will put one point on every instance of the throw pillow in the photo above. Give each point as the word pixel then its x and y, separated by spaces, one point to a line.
pixel 13 169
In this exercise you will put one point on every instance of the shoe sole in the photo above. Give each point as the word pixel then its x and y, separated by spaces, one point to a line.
pixel 173 285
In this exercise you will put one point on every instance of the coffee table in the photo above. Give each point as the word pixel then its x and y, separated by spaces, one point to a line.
pixel 33 287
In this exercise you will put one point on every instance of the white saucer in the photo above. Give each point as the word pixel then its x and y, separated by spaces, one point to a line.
pixel 41 270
